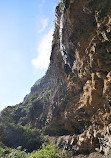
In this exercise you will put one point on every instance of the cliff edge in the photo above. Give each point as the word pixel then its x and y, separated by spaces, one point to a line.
pixel 72 102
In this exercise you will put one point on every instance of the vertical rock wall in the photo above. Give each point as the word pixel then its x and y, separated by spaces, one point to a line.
pixel 72 102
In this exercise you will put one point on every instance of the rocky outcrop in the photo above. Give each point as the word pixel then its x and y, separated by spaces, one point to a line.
pixel 80 67
pixel 72 102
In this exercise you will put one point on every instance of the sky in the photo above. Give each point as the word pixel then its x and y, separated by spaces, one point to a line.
pixel 26 31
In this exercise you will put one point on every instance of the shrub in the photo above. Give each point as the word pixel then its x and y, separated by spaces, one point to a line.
pixel 60 5
pixel 17 153
pixel 17 135
pixel 47 151
pixel 4 152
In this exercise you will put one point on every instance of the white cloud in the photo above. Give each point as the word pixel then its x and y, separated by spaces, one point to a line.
pixel 44 51
pixel 44 24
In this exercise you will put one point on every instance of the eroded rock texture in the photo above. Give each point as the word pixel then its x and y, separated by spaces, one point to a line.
pixel 73 99
pixel 80 67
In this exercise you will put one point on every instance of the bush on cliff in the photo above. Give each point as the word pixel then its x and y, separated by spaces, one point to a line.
pixel 16 135
pixel 46 151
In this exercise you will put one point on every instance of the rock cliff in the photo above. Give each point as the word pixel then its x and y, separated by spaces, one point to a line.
pixel 72 102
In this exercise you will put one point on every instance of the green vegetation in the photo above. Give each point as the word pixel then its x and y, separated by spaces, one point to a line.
pixel 17 138
pixel 7 115
pixel 60 5
pixel 46 151
pixel 13 135
pixel 30 98
pixel 12 153
pixel 18 113
pixel 18 141
pixel 46 94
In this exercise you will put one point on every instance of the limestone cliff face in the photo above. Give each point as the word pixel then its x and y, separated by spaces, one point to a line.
pixel 74 97
pixel 80 67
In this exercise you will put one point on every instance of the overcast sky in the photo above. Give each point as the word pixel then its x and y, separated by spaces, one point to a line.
pixel 26 28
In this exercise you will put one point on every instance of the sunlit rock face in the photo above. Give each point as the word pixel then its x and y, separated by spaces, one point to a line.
pixel 73 100
pixel 80 67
